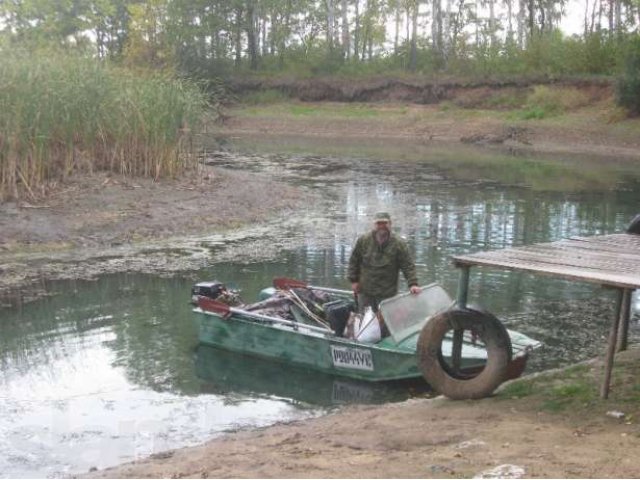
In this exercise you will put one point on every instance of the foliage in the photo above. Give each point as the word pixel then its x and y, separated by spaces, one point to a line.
pixel 60 114
pixel 213 38
pixel 545 101
pixel 628 85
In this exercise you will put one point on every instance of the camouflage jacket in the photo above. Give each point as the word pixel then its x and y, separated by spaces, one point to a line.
pixel 376 267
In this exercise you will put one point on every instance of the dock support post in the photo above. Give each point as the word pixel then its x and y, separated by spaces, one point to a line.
pixel 611 349
pixel 623 326
pixel 463 286
pixel 461 302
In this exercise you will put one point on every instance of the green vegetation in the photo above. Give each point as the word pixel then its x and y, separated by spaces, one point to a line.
pixel 546 102
pixel 62 113
pixel 628 87
pixel 350 38
pixel 576 389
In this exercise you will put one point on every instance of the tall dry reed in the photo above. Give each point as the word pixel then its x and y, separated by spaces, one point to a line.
pixel 63 114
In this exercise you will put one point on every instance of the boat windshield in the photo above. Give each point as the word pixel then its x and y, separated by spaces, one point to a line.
pixel 407 313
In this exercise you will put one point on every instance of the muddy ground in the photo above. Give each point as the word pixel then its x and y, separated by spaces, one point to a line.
pixel 99 224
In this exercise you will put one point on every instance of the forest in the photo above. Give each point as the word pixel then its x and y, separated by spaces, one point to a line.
pixel 206 38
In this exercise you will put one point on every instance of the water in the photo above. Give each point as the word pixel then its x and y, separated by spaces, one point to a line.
pixel 104 372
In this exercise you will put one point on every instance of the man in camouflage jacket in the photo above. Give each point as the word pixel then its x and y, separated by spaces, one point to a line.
pixel 375 264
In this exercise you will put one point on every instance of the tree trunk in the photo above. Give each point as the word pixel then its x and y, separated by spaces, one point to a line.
pixel 238 33
pixel 273 32
pixel 532 18
pixel 618 20
pixel 408 22
pixel 397 34
pixel 413 57
pixel 330 23
pixel 610 12
pixel 446 31
pixel 263 35
pixel 593 16
pixel 346 48
pixel 492 22
pixel 521 17
pixel 586 19
pixel 365 33
pixel 356 32
pixel 282 36
pixel 509 21
pixel 435 15
pixel 251 36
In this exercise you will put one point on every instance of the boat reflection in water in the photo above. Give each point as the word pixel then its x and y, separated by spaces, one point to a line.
pixel 227 372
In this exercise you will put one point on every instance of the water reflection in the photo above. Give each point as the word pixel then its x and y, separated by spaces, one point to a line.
pixel 103 372
pixel 232 374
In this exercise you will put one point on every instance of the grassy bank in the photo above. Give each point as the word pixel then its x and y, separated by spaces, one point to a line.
pixel 61 114
pixel 575 390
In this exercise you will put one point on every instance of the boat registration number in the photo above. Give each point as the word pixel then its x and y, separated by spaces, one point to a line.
pixel 356 358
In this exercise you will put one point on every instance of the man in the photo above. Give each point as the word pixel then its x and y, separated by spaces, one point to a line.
pixel 375 264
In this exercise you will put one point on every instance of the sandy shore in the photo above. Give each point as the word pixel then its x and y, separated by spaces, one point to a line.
pixel 501 437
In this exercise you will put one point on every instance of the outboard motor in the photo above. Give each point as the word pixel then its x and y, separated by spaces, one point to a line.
pixel 207 289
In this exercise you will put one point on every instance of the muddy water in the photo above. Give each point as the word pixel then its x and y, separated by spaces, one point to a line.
pixel 107 371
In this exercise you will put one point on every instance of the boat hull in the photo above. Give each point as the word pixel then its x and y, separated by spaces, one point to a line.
pixel 308 348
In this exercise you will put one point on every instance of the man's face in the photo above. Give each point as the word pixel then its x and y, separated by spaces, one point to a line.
pixel 381 225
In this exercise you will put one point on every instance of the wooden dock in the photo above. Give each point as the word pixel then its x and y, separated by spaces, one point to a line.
pixel 611 261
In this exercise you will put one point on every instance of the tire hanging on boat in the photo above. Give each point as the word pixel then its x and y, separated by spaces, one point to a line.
pixel 441 376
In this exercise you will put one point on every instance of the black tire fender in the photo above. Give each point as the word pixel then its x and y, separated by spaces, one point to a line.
pixel 439 375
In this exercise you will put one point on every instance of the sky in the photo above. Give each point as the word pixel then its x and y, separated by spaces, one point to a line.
pixel 573 20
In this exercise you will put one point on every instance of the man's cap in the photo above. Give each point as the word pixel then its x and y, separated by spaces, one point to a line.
pixel 382 217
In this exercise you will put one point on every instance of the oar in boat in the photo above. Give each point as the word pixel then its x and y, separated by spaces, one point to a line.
pixel 284 283
pixel 210 305
pixel 300 303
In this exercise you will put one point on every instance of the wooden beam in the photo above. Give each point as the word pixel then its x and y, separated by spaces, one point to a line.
pixel 611 348
pixel 625 316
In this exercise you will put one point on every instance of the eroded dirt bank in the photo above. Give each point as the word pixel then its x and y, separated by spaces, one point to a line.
pixel 413 89
pixel 500 437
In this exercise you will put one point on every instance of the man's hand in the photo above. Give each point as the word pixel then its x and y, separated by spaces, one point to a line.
pixel 355 286
pixel 415 289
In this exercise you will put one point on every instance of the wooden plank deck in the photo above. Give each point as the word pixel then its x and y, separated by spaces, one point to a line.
pixel 608 260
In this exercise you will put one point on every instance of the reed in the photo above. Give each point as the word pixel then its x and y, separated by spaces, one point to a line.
pixel 62 114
